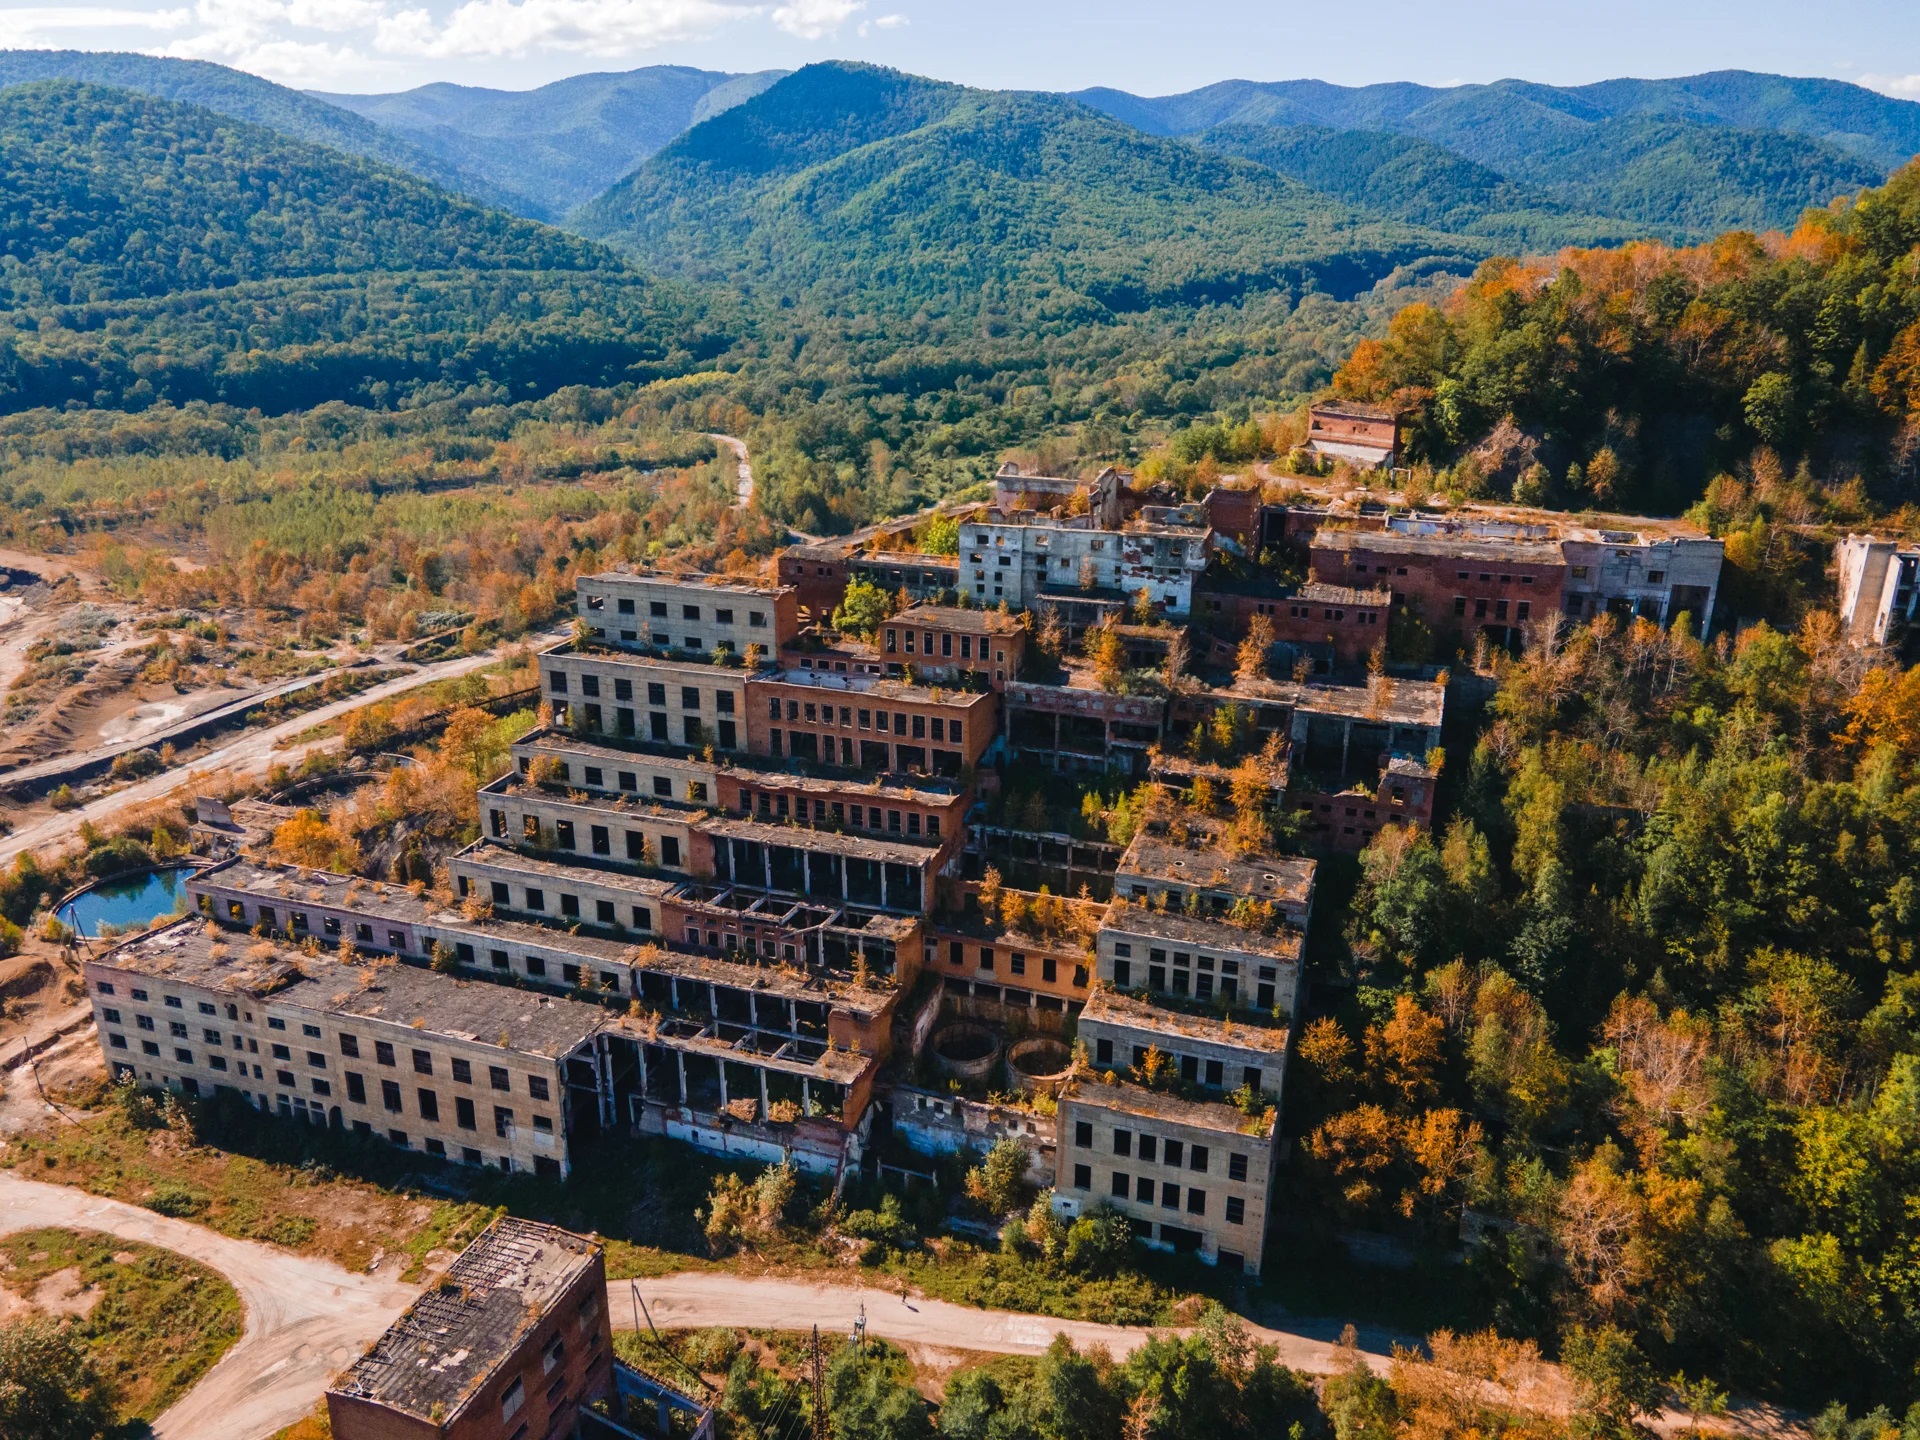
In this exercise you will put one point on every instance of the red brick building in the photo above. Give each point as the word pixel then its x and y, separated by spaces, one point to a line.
pixel 512 1342
pixel 945 642
pixel 876 726
pixel 1363 435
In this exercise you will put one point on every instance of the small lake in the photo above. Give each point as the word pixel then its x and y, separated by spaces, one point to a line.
pixel 130 903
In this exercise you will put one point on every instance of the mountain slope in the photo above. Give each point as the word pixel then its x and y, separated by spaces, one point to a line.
pixel 248 97
pixel 155 250
pixel 1876 127
pixel 1416 181
pixel 848 183
pixel 562 143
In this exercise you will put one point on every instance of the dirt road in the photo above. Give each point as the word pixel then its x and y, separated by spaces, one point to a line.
pixel 743 486
pixel 247 754
pixel 698 1298
pixel 306 1319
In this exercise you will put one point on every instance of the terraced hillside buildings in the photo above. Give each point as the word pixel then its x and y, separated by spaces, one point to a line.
pixel 734 891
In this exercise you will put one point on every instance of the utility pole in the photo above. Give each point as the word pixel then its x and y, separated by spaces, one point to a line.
pixel 821 1429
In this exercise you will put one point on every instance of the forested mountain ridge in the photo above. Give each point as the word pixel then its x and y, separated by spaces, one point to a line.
pixel 1416 181
pixel 247 97
pixel 154 250
pixel 1633 376
pixel 563 143
pixel 845 183
pixel 1876 127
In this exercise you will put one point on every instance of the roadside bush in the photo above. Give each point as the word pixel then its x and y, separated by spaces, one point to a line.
pixel 172 1198
pixel 136 764
pixel 1099 1243
pixel 711 1351
pixel 884 1229
pixel 743 1213
pixel 293 1231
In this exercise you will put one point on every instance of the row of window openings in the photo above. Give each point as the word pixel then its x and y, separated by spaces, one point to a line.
pixel 657 609
pixel 1523 610
pixel 428 1101
pixel 605 912
pixel 1140 1189
pixel 858 817
pixel 693 732
pixel 1193 1070
pixel 300 920
pixel 1197 1158
pixel 902 640
pixel 1016 963
pixel 656 693
pixel 595 778
pixel 918 726
pixel 599 840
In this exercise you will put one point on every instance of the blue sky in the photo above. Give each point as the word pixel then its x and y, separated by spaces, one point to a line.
pixel 1148 46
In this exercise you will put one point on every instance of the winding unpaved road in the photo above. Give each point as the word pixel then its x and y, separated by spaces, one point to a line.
pixel 305 1319
pixel 743 467
pixel 248 754
pixel 699 1298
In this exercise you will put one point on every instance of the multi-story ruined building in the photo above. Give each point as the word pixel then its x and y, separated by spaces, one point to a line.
pixel 722 896
pixel 1878 584
pixel 1364 435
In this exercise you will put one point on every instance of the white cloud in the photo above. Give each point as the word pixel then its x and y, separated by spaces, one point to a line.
pixel 318 42
pixel 505 28
pixel 1903 86
pixel 815 19
pixel 26 24
pixel 890 22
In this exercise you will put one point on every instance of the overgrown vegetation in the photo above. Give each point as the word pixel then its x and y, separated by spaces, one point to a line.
pixel 146 1323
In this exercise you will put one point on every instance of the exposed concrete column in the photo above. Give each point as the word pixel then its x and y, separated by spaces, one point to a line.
pixel 681 1057
pixel 1346 740
pixel 806 1095
pixel 713 1000
pixel 766 866
pixel 793 1016
pixel 806 867
pixel 642 1049
pixel 764 1109
pixel 883 885
pixel 673 990
pixel 723 1082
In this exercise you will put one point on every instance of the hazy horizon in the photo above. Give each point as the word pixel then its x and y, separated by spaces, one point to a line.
pixel 370 46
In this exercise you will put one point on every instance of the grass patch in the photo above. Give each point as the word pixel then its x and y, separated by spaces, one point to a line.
pixel 155 1321
pixel 317 1426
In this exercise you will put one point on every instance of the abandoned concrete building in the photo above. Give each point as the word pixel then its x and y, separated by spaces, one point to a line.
pixel 730 893
pixel 1878 585
pixel 1367 436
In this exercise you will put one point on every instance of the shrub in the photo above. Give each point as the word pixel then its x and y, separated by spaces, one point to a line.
pixel 999 1183
pixel 1099 1243
pixel 121 853
pixel 292 1231
pixel 172 1198
pixel 888 1226
pixel 742 1213
pixel 50 1388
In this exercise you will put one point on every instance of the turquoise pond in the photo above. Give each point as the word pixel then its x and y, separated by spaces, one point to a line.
pixel 132 902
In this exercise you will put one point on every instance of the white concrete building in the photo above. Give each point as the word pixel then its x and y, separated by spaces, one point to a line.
pixel 1879 587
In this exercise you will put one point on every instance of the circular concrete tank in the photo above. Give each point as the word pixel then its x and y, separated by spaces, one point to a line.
pixel 965 1052
pixel 1039 1064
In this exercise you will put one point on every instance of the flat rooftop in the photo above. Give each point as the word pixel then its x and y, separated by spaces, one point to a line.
pixel 1282 879
pixel 722 584
pixel 877 688
pixel 747 769
pixel 293 885
pixel 1115 1007
pixel 957 617
pixel 1451 543
pixel 396 994
pixel 1125 1098
pixel 1394 702
pixel 786 982
pixel 496 856
pixel 440 1354
pixel 838 842
pixel 1128 918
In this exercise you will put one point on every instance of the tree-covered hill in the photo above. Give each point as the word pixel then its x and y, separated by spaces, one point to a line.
pixel 1676 158
pixel 563 143
pixel 847 184
pixel 247 97
pixel 1634 375
pixel 157 250
pixel 1416 181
